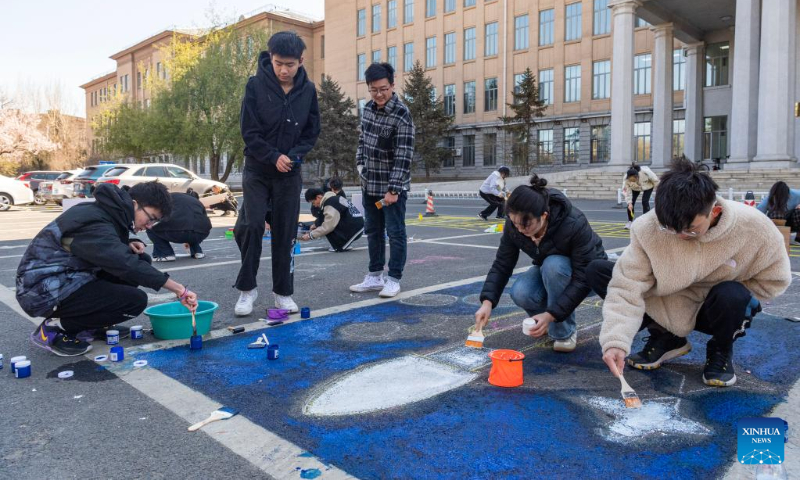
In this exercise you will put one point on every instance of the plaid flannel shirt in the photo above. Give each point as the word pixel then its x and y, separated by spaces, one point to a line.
pixel 385 147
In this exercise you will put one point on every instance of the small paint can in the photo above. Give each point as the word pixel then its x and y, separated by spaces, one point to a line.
pixel 136 332
pixel 1 361
pixel 305 312
pixel 112 337
pixel 117 354
pixel 14 361
pixel 272 352
pixel 22 369
pixel 527 325
pixel 196 342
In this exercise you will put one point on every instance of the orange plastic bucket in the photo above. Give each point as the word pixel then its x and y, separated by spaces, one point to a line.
pixel 506 368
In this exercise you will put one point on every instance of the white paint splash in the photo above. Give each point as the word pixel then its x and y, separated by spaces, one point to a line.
pixel 655 416
pixel 385 385
pixel 464 357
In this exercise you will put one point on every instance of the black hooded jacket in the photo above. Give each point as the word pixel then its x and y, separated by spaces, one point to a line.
pixel 70 251
pixel 274 123
pixel 188 215
pixel 568 234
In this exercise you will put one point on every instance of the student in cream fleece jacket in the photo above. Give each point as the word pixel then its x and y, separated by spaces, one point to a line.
pixel 698 262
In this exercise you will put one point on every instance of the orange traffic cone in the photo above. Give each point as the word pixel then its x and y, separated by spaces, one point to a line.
pixel 429 210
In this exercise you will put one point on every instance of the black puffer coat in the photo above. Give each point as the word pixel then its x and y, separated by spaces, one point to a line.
pixel 568 234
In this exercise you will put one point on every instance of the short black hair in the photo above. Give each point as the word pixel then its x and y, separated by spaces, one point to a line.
pixel 529 201
pixel 377 71
pixel 313 193
pixel 632 172
pixel 286 44
pixel 335 183
pixel 154 195
pixel 684 193
pixel 504 170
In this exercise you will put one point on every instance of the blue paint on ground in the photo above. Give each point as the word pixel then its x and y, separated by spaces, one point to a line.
pixel 310 473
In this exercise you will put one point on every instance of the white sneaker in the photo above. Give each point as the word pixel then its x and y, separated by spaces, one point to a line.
pixel 390 289
pixel 245 304
pixel 566 345
pixel 628 225
pixel 168 258
pixel 199 255
pixel 286 303
pixel 371 283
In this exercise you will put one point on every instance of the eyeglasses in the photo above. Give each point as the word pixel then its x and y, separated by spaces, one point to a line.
pixel 382 91
pixel 151 220
pixel 670 231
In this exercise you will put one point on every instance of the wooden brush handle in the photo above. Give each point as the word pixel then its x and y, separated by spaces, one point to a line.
pixel 199 425
pixel 194 324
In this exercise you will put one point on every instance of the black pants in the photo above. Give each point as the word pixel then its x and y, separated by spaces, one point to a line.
pixel 645 203
pixel 161 242
pixel 793 221
pixel 283 194
pixel 495 202
pixel 107 301
pixel 725 314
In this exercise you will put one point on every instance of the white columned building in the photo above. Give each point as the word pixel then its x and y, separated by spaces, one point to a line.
pixel 662 95
pixel 623 16
pixel 693 102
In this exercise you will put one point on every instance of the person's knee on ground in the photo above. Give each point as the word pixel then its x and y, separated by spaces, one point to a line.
pixel 598 275
pixel 527 295
pixel 129 306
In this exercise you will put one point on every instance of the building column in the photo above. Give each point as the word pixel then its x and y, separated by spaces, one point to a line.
pixel 662 95
pixel 775 145
pixel 744 109
pixel 623 16
pixel 693 102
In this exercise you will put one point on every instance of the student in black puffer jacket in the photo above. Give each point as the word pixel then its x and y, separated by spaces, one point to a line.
pixel 543 224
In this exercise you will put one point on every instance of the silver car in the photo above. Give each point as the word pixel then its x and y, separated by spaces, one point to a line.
pixel 176 179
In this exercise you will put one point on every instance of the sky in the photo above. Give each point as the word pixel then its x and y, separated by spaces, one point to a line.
pixel 51 44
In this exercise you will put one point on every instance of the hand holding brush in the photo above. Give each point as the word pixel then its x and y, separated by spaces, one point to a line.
pixel 614 358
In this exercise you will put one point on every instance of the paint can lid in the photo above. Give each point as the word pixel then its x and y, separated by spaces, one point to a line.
pixel 23 364
pixel 18 359
pixel 136 327
pixel 112 332
pixel 101 358
pixel 140 363
pixel 66 374
pixel 1 356
pixel 529 322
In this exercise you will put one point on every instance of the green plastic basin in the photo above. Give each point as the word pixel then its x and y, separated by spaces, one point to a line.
pixel 173 321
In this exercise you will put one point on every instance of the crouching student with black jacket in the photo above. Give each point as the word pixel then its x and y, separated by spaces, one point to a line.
pixel 543 224
pixel 188 224
pixel 81 272
pixel 342 223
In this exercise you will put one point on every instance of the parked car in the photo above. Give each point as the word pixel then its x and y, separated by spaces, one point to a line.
pixel 14 192
pixel 176 179
pixel 59 189
pixel 36 177
pixel 83 184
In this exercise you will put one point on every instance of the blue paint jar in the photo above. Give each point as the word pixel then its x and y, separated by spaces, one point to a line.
pixel 117 354
pixel 272 352
pixel 23 369
pixel 195 342
pixel 136 332
pixel 305 312
pixel 14 361
pixel 112 337
pixel 1 361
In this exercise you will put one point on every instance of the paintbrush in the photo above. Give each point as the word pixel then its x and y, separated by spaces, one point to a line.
pixel 222 413
pixel 628 394
pixel 194 325
pixel 475 339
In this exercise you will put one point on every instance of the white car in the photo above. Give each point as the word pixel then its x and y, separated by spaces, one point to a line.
pixel 176 179
pixel 14 192
pixel 58 189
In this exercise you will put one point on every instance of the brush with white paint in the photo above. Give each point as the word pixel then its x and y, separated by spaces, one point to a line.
pixel 222 413
pixel 475 339
pixel 628 394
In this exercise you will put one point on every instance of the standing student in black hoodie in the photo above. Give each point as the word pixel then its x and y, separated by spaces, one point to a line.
pixel 81 272
pixel 188 224
pixel 280 124
pixel 543 224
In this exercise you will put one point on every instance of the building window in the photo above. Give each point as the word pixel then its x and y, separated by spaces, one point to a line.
pixel 546 86
pixel 158 69
pixel 546 20
pixel 518 149
pixel 449 48
pixel 391 56
pixel 449 6
pixel 376 56
pixel 573 22
pixel 138 80
pixel 376 18
pixel 678 70
pixel 490 41
pixel 572 83
pixel 641 140
pixel 602 17
pixel 717 64
pixel 408 11
pixel 572 144
pixel 715 137
pixel 678 132
pixel 601 79
pixel 490 94
pixel 450 100
pixel 489 149
pixel 361 65
pixel 545 147
pixel 469 3
pixel 518 81
pixel 468 151
pixel 641 23
pixel 361 26
pixel 521 32
pixel 321 46
pixel 362 102
pixel 469 97
pixel 434 95
pixel 391 14
pixel 469 43
pixel 450 161
pixel 430 8
pixel 408 56
pixel 430 52
pixel 601 139
pixel 642 74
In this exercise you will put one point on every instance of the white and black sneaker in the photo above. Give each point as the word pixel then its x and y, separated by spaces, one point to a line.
pixel 660 347
pixel 371 283
pixel 718 371
pixel 244 306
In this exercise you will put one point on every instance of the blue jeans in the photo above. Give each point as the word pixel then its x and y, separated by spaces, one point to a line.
pixel 537 290
pixel 392 220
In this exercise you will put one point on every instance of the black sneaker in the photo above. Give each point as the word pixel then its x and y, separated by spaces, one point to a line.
pixel 660 347
pixel 482 217
pixel 58 342
pixel 718 371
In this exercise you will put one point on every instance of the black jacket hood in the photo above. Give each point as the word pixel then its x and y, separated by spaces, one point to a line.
pixel 117 202
pixel 267 73
pixel 560 208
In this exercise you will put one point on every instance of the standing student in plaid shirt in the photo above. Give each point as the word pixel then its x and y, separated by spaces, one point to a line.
pixel 383 160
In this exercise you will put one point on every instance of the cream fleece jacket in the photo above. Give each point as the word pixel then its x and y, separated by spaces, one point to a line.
pixel 669 278
pixel 331 219
pixel 647 180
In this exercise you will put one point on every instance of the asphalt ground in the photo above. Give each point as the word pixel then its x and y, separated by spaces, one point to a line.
pixel 113 421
